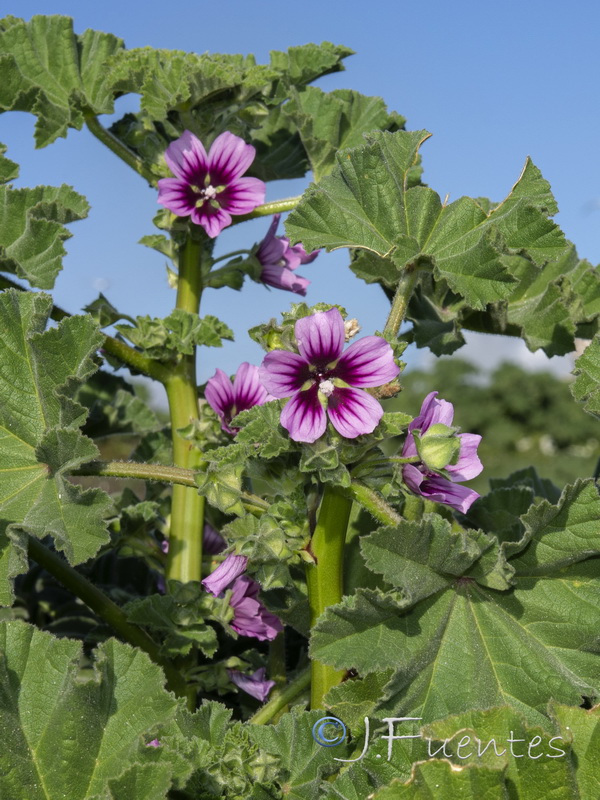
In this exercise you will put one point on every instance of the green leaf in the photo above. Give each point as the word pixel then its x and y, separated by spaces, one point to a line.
pixel 8 169
pixel 433 779
pixel 328 122
pixel 562 534
pixel 586 387
pixel 32 230
pixel 180 332
pixel 423 557
pixel 302 761
pixel 39 436
pixel 103 311
pixel 369 203
pixel 260 429
pixel 582 728
pixel 45 707
pixel 519 647
pixel 55 74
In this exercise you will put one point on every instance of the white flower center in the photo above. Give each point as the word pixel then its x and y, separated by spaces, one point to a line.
pixel 209 192
pixel 326 388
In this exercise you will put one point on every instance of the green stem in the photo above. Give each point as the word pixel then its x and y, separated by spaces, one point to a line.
pixel 118 148
pixel 274 706
pixel 404 290
pixel 158 472
pixel 105 608
pixel 324 578
pixel 230 255
pixel 135 360
pixel 187 511
pixel 274 207
pixel 375 504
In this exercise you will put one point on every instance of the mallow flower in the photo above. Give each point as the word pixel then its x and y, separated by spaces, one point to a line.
pixel 254 684
pixel 279 260
pixel 209 187
pixel 440 449
pixel 322 381
pixel 227 400
pixel 250 617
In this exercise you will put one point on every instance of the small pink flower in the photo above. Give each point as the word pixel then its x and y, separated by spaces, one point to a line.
pixel 254 684
pixel 209 188
pixel 325 382
pixel 279 260
pixel 227 400
pixel 428 483
pixel 225 573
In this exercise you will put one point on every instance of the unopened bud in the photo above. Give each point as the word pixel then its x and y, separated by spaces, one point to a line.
pixel 274 341
pixel 438 447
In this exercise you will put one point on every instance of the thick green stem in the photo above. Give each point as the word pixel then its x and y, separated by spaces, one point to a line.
pixel 105 608
pixel 404 290
pixel 375 504
pixel 187 511
pixel 325 578
pixel 119 149
pixel 274 706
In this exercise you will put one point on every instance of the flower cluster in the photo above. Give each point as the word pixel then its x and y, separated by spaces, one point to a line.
pixel 209 187
pixel 445 456
pixel 250 617
pixel 227 400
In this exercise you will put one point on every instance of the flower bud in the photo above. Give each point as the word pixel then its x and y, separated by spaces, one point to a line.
pixel 274 340
pixel 438 447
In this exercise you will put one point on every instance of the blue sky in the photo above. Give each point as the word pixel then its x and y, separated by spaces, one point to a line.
pixel 492 82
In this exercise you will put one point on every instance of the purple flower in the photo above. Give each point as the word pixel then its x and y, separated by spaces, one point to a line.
pixel 212 541
pixel 421 479
pixel 210 188
pixel 254 684
pixel 153 743
pixel 227 400
pixel 250 617
pixel 225 573
pixel 322 377
pixel 279 261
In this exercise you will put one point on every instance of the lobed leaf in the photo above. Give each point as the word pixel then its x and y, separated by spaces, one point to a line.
pixel 586 387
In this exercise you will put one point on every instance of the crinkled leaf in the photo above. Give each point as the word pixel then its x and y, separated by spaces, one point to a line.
pixel 541 487
pixel 302 761
pixel 328 122
pixel 582 728
pixel 32 230
pixel 518 647
pixel 423 557
pixel 180 332
pixel 368 203
pixel 45 709
pixel 8 169
pixel 140 782
pixel 586 387
pixel 260 428
pixel 39 436
pixel 103 311
pixel 221 481
pixel 433 779
pixel 55 74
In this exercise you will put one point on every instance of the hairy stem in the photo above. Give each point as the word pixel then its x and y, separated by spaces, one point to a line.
pixel 274 706
pixel 274 207
pixel 375 504
pixel 404 290
pixel 324 578
pixel 119 149
pixel 187 512
pixel 105 608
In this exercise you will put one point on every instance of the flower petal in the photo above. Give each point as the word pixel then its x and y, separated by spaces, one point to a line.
pixel 321 337
pixel 296 255
pixel 225 573
pixel 213 220
pixel 284 278
pixel 254 685
pixel 367 362
pixel 272 248
pixel 228 158
pixel 251 618
pixel 468 465
pixel 304 416
pixel 186 158
pixel 282 373
pixel 212 541
pixel 248 391
pixel 177 196
pixel 450 494
pixel 432 411
pixel 242 195
pixel 353 412
pixel 219 396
